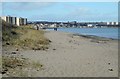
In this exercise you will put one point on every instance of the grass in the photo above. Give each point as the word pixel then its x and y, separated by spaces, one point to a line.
pixel 0 63
pixel 11 63
pixel 25 37
pixel 36 65
pixel 19 67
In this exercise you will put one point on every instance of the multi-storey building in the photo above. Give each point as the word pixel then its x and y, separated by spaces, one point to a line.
pixel 15 20
pixel 112 23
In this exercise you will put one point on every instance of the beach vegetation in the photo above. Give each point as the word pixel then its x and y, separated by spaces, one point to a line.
pixel 19 67
pixel 24 37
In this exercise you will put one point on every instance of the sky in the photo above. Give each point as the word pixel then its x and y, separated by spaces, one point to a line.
pixel 63 11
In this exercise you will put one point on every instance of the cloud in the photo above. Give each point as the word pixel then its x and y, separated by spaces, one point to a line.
pixel 59 12
pixel 22 6
pixel 78 14
pixel 91 14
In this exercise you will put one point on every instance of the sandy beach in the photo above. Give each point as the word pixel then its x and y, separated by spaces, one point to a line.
pixel 76 56
pixel 73 39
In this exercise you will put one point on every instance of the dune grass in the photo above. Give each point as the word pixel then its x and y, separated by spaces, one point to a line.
pixel 25 37
pixel 19 67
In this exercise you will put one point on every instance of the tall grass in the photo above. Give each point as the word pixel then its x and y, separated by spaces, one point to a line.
pixel 24 37
pixel 19 67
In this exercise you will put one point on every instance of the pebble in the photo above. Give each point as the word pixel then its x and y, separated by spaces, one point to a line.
pixel 13 52
pixel 17 49
pixel 109 63
pixel 110 69
pixel 8 43
pixel 54 49
pixel 3 72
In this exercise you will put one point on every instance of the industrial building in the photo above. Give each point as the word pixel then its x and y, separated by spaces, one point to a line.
pixel 15 20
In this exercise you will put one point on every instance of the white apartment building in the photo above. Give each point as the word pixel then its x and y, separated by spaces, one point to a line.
pixel 15 20
pixel 112 23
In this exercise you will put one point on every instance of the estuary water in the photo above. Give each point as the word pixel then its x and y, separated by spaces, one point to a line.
pixel 102 32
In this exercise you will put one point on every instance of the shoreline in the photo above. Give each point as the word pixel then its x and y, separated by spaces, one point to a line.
pixel 88 35
pixel 94 37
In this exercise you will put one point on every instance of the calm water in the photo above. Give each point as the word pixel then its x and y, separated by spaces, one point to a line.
pixel 102 32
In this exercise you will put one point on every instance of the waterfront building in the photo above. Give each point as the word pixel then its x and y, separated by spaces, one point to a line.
pixel 7 19
pixel 53 25
pixel 112 23
pixel 15 20
pixel 91 25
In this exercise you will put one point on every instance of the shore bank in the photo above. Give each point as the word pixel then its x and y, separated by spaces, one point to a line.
pixel 72 55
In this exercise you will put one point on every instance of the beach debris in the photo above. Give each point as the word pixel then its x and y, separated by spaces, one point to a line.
pixel 110 69
pixel 40 48
pixel 19 65
pixel 54 49
pixel 13 52
pixel 36 48
pixel 49 40
pixel 7 43
pixel 108 63
pixel 3 72
pixel 17 49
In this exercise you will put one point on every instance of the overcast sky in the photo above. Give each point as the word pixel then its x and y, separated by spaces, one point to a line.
pixel 63 11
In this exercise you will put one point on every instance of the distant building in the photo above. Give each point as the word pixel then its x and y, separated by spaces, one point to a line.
pixel 91 25
pixel 53 25
pixel 112 23
pixel 15 20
